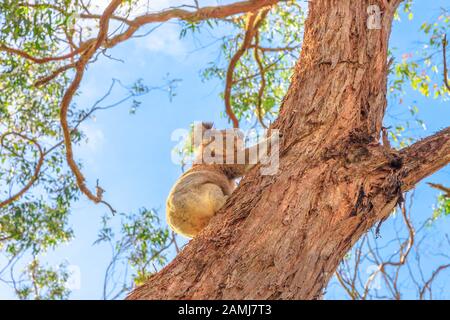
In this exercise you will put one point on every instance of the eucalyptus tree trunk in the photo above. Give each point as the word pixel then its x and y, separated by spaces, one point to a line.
pixel 283 236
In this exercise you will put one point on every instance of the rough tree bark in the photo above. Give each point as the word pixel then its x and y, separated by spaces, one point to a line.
pixel 283 236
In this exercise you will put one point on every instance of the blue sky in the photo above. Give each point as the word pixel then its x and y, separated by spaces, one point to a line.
pixel 131 154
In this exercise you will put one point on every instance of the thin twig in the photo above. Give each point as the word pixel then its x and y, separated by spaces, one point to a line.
pixel 444 53
pixel 37 169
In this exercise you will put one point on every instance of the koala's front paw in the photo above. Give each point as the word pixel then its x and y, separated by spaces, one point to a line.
pixel 270 133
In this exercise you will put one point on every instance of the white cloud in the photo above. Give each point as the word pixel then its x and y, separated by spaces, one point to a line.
pixel 165 40
pixel 95 138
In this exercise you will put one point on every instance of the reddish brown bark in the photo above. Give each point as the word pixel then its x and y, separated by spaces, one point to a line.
pixel 282 236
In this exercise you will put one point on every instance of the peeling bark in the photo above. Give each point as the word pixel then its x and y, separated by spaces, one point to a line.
pixel 283 236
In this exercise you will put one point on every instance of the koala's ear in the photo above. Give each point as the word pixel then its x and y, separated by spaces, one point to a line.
pixel 198 132
pixel 207 125
pixel 239 133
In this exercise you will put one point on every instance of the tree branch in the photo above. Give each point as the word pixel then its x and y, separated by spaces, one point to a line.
pixel 444 58
pixel 441 188
pixel 211 12
pixel 37 170
pixel 425 157
pixel 68 96
pixel 253 23
pixel 393 4
pixel 262 87
pixel 427 285
pixel 43 60
pixel 54 74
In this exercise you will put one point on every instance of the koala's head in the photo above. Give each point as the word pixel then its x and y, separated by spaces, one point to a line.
pixel 216 143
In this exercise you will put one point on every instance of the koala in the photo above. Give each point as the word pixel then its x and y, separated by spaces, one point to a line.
pixel 202 190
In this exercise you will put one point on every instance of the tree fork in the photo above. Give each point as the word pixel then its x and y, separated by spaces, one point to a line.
pixel 283 236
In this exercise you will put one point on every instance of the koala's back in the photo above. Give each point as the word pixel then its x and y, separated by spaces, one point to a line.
pixel 195 198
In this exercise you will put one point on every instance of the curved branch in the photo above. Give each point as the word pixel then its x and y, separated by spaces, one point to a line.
pixel 54 74
pixel 43 60
pixel 392 5
pixel 425 157
pixel 211 12
pixel 427 284
pixel 404 251
pixel 232 65
pixel 68 96
pixel 37 169
pixel 253 23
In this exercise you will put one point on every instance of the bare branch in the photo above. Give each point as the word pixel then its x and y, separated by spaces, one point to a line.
pixel 211 12
pixel 54 74
pixel 404 251
pixel 345 286
pixel 28 56
pixel 444 53
pixel 392 5
pixel 425 157
pixel 430 281
pixel 232 65
pixel 440 187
